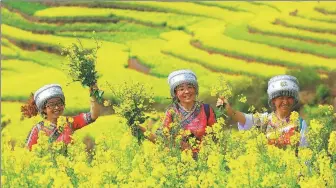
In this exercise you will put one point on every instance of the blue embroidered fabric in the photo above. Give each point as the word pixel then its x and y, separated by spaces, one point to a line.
pixel 184 113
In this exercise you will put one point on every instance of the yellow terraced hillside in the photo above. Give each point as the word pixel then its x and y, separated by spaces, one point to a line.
pixel 244 42
pixel 169 19
pixel 118 60
pixel 326 8
pixel 156 60
pixel 269 28
pixel 305 24
pixel 261 52
pixel 202 43
pixel 182 49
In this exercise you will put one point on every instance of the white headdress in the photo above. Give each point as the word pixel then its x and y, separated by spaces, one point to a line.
pixel 179 77
pixel 283 85
pixel 47 92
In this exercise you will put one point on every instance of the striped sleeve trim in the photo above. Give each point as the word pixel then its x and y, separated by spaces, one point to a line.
pixel 87 117
pixel 37 127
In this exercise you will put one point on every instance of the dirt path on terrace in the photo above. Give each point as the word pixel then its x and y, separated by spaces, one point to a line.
pixel 102 5
pixel 279 22
pixel 200 46
pixel 35 19
pixel 27 17
pixel 248 60
pixel 252 31
pixel 46 20
pixel 323 11
pixel 123 7
pixel 135 64
pixel 70 20
pixel 34 47
pixel 45 32
pixel 278 35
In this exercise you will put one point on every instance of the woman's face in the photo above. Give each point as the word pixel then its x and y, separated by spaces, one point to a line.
pixel 54 108
pixel 283 104
pixel 186 93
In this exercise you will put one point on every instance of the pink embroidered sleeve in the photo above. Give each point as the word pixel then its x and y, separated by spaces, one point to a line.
pixel 82 120
pixel 32 137
pixel 168 119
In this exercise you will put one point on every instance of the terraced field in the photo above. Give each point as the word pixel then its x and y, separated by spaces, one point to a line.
pixel 246 42
pixel 145 41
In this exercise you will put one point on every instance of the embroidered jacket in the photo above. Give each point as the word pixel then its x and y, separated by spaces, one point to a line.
pixel 196 121
pixel 284 129
pixel 54 134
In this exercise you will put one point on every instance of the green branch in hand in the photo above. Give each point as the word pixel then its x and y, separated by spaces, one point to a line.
pixel 98 94
pixel 81 64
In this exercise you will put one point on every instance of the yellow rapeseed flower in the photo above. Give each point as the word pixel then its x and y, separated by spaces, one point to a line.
pixel 305 154
pixel 208 130
pixel 187 133
pixel 61 123
pixel 107 103
pixel 251 109
pixel 191 181
pixel 242 99
pixel 294 139
pixel 332 143
pixel 70 120
pixel 150 182
pixel 294 118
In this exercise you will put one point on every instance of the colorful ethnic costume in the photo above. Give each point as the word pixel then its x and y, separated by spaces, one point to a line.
pixel 282 85
pixel 273 126
pixel 198 118
pixel 53 132
pixel 41 97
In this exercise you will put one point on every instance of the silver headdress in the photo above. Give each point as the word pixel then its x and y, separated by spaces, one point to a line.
pixel 179 77
pixel 47 92
pixel 283 85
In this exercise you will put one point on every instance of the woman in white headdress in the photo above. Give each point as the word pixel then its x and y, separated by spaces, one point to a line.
pixel 49 101
pixel 185 110
pixel 283 96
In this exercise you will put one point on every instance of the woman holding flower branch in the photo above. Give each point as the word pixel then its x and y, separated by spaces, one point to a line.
pixel 49 101
pixel 283 123
pixel 187 116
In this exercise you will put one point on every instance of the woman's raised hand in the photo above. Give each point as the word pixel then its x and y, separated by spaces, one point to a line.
pixel 93 87
pixel 96 94
pixel 221 101
pixel 236 115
